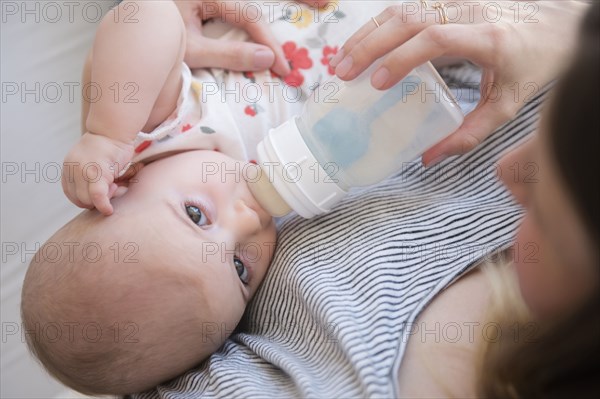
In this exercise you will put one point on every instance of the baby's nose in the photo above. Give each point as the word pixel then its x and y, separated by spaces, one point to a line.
pixel 245 219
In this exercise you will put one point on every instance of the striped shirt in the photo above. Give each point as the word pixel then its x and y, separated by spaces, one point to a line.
pixel 333 316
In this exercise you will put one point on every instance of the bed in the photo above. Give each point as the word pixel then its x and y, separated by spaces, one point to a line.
pixel 309 331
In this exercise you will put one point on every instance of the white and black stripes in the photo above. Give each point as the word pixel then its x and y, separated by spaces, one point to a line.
pixel 331 317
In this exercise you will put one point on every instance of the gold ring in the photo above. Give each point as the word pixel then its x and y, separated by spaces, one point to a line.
pixel 376 23
pixel 441 9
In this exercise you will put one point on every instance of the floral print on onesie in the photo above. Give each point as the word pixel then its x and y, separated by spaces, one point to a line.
pixel 231 112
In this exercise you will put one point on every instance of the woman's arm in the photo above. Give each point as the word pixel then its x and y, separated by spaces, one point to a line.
pixel 441 353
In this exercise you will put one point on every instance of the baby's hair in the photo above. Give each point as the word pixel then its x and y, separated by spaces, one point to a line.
pixel 92 331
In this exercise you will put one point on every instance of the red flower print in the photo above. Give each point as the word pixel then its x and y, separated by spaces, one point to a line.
pixel 249 75
pixel 249 110
pixel 143 146
pixel 186 127
pixel 328 53
pixel 298 59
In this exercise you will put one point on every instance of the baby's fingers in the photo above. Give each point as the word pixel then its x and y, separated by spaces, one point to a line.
pixel 69 186
pixel 70 192
pixel 99 196
pixel 82 196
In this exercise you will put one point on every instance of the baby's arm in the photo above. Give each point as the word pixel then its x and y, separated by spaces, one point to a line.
pixel 136 75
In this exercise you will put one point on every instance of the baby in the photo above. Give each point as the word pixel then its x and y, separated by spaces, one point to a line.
pixel 170 257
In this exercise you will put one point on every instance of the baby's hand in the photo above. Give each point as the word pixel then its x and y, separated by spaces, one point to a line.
pixel 90 169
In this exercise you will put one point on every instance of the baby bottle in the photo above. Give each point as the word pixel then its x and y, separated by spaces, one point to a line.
pixel 350 134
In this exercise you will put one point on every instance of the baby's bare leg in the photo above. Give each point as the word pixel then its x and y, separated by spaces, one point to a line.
pixel 136 63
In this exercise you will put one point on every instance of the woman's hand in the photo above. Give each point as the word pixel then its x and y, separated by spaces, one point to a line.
pixel 265 53
pixel 521 46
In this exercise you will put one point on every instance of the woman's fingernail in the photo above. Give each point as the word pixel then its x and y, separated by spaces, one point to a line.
pixel 380 77
pixel 263 59
pixel 436 160
pixel 344 67
pixel 336 58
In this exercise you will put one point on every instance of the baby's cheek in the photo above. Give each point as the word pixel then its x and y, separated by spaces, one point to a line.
pixel 268 244
pixel 272 242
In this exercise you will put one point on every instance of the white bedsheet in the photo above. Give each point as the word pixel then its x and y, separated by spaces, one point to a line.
pixel 40 55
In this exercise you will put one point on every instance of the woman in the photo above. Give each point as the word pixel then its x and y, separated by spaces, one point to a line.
pixel 558 355
pixel 329 316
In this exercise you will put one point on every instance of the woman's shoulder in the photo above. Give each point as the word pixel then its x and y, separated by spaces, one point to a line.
pixel 442 351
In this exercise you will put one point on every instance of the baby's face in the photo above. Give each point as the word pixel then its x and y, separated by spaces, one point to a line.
pixel 208 227
pixel 203 245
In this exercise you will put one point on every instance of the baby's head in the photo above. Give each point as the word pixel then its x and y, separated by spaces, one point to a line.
pixel 118 304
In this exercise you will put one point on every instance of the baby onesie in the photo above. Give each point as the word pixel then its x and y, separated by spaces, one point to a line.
pixel 231 112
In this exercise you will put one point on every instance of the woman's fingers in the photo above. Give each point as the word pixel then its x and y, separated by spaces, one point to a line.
pixel 371 41
pixel 265 53
pixel 464 41
pixel 204 52
pixel 477 126
pixel 261 33
pixel 411 40
pixel 375 45
pixel 315 3
pixel 358 37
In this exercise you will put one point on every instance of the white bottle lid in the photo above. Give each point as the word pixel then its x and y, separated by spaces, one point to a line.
pixel 295 173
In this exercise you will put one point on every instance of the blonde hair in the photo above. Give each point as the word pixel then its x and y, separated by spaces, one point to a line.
pixel 507 309
pixel 541 359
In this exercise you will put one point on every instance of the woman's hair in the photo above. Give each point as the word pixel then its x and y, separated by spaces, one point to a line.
pixel 562 358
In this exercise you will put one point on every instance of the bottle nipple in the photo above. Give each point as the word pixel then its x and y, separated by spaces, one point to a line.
pixel 267 196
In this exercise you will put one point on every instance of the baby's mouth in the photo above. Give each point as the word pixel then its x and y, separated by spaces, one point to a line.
pixel 253 203
pixel 265 195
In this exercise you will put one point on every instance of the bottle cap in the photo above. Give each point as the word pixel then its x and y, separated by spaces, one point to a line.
pixel 294 173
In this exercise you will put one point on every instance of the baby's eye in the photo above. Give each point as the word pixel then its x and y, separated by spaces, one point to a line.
pixel 197 215
pixel 241 270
